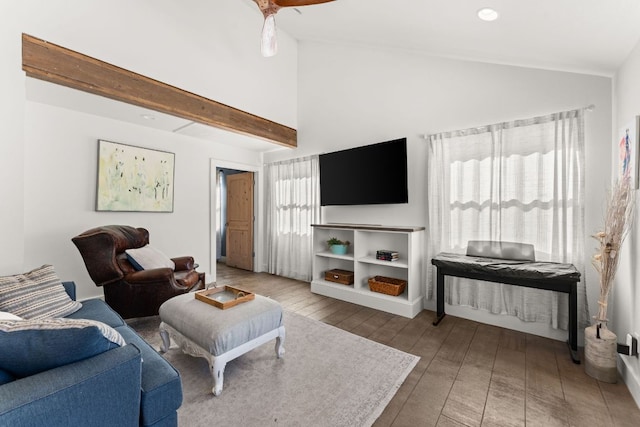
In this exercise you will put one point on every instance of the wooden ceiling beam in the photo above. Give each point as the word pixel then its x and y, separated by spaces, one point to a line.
pixel 47 61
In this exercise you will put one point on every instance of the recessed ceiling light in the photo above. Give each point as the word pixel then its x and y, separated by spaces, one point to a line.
pixel 487 14
pixel 147 116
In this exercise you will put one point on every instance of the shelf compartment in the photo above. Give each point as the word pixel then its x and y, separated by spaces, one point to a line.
pixel 401 263
pixel 369 242
pixel 321 235
pixel 324 264
pixel 399 305
pixel 402 298
pixel 334 284
pixel 327 254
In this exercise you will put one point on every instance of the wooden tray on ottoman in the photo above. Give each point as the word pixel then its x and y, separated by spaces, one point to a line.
pixel 224 296
pixel 344 277
pixel 387 285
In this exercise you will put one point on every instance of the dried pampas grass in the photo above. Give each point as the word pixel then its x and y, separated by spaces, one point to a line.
pixel 617 223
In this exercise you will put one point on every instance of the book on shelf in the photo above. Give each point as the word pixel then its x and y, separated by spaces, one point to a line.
pixel 387 255
pixel 386 252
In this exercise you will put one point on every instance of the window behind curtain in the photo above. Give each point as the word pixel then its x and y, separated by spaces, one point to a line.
pixel 292 205
pixel 519 181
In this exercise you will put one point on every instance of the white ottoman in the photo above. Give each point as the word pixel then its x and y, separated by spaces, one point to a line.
pixel 202 330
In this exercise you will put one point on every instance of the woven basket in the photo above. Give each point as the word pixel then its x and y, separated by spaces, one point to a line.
pixel 387 285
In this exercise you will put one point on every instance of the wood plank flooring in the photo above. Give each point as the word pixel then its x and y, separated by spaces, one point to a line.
pixel 469 373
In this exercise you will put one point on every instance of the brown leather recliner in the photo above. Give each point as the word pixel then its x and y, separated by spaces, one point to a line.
pixel 129 292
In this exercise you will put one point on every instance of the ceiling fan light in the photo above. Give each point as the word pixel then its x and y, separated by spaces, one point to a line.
pixel 269 42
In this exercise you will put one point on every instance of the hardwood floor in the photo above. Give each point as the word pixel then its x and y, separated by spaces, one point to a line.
pixel 469 374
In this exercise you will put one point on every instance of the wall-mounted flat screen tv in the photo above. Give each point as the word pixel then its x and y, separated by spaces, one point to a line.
pixel 369 175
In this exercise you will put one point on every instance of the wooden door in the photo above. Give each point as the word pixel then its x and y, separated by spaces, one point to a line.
pixel 240 220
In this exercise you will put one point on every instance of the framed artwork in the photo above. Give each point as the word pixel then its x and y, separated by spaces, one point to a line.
pixel 628 152
pixel 134 179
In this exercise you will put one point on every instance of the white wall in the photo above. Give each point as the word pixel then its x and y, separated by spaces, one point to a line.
pixel 624 302
pixel 352 96
pixel 11 150
pixel 48 154
pixel 60 186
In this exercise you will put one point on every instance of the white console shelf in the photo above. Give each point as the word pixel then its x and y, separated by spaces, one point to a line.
pixel 361 259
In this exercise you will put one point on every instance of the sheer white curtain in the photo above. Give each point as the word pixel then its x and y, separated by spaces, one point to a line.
pixel 520 181
pixel 292 205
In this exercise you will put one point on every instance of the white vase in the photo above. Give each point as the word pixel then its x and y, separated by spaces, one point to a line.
pixel 601 353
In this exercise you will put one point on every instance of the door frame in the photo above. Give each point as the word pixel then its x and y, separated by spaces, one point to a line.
pixel 257 212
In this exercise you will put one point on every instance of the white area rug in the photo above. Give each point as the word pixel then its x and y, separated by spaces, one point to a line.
pixel 328 377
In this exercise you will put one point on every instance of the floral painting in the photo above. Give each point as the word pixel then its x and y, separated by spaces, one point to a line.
pixel 134 178
pixel 628 152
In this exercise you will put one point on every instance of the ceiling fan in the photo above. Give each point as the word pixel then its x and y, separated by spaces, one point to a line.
pixel 269 8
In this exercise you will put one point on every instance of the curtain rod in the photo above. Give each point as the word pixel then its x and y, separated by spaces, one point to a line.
pixel 588 108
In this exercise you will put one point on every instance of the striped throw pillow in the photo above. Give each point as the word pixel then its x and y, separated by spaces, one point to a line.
pixel 37 294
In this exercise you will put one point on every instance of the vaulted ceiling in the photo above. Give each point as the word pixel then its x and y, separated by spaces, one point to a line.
pixel 587 36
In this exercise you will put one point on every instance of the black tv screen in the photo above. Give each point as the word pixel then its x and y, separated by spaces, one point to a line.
pixel 369 175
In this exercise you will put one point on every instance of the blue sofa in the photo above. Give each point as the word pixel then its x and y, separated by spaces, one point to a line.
pixel 125 386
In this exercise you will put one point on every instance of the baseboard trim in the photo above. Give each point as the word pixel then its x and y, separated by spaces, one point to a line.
pixel 506 321
pixel 629 377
